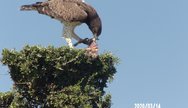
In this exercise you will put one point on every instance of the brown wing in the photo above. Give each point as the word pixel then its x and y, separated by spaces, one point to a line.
pixel 67 11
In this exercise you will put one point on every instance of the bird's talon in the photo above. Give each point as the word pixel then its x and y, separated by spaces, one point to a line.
pixel 84 41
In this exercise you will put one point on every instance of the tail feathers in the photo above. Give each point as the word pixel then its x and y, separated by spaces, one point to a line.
pixel 30 7
pixel 27 7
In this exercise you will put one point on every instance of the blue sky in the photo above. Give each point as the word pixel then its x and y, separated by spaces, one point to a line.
pixel 149 36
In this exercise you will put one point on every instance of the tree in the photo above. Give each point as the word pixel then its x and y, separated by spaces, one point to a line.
pixel 57 78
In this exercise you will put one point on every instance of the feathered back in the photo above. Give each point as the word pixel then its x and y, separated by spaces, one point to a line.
pixel 69 11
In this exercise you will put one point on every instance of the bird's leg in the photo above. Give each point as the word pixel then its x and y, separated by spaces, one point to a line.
pixel 79 40
pixel 69 42
pixel 67 36
pixel 74 35
pixel 86 41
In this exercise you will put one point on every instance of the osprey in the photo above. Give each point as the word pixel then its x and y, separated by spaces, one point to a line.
pixel 71 13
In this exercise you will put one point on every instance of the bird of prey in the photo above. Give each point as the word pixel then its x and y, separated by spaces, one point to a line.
pixel 70 13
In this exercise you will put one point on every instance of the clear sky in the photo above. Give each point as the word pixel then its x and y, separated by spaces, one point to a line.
pixel 149 36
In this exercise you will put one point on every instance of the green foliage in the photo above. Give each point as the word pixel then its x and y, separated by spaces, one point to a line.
pixel 59 77
pixel 6 99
